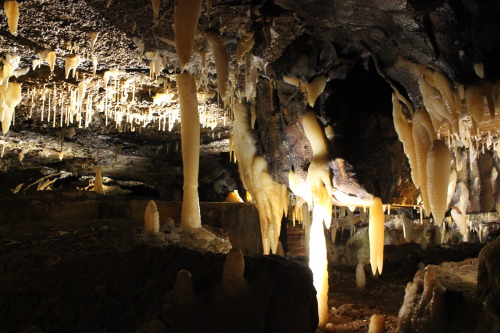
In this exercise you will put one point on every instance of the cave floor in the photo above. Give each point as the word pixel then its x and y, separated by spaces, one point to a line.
pixel 30 251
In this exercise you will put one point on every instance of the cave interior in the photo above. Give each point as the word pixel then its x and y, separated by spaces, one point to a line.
pixel 249 166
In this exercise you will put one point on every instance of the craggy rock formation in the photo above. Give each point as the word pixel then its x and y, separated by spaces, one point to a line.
pixel 108 290
pixel 443 299
pixel 366 49
pixel 488 288
pixel 119 113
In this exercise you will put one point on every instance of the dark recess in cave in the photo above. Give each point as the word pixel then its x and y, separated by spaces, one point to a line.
pixel 360 110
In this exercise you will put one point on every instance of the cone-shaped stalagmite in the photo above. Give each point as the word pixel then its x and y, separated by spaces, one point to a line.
pixel 234 268
pixel 186 14
pixel 98 186
pixel 438 174
pixel 151 218
pixel 190 142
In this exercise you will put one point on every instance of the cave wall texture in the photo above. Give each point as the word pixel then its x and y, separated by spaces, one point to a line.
pixel 366 49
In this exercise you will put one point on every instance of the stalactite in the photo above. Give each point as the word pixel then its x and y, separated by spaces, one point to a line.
pixel 376 235
pixel 11 9
pixel 438 173
pixel 217 45
pixel 186 15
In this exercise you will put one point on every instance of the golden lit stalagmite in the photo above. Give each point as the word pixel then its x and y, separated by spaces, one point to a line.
pixel 318 177
pixel 190 143
pixel 186 14
pixel 234 197
pixel 98 186
pixel 151 218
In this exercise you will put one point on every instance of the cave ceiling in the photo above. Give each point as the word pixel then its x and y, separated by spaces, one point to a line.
pixel 366 49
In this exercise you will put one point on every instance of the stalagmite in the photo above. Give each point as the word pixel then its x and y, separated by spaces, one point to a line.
pixel 151 218
pixel 233 281
pixel 360 276
pixel 11 8
pixel 234 197
pixel 315 88
pixel 183 292
pixel 217 45
pixel 377 324
pixel 186 15
pixel 190 142
pixel 98 186
pixel 438 173
pixel 376 235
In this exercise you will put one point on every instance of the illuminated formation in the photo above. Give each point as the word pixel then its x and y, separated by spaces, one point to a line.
pixel 151 218
pixel 318 177
pixel 270 196
pixel 376 234
pixel 186 14
pixel 460 117
pixel 130 88
pixel 11 8
pixel 221 57
pixel 190 141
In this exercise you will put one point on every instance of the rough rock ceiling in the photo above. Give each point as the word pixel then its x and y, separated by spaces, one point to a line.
pixel 347 41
